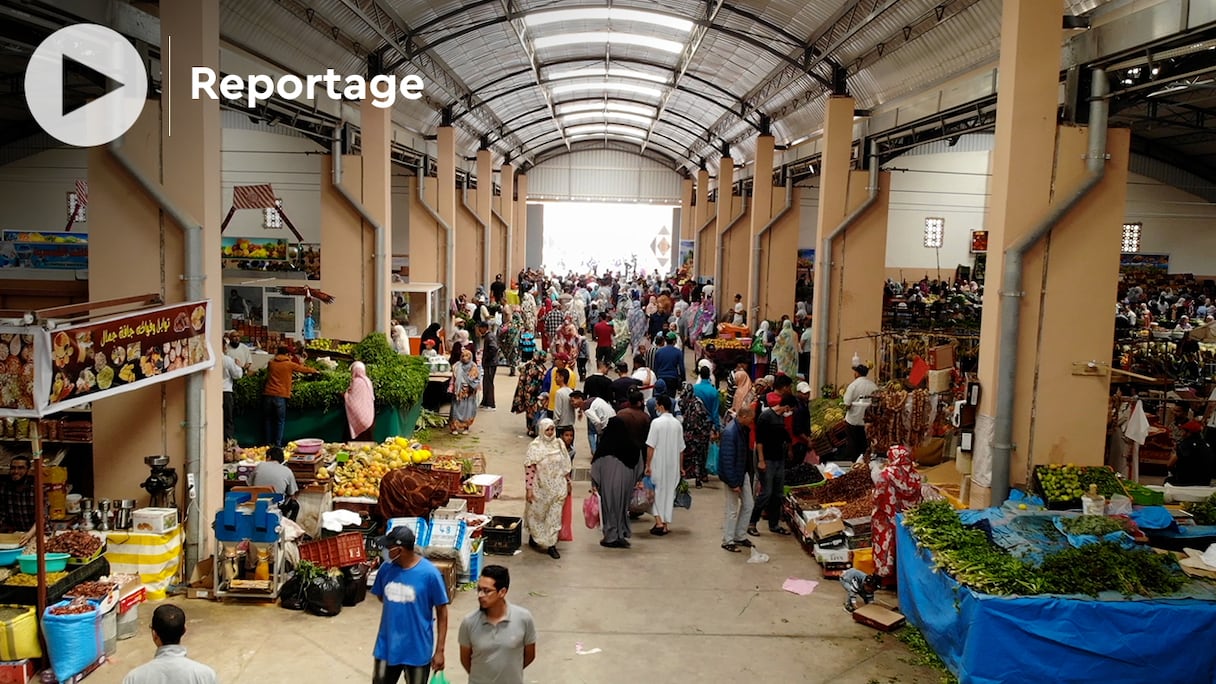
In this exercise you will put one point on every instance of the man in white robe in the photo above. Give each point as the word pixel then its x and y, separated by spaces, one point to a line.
pixel 664 447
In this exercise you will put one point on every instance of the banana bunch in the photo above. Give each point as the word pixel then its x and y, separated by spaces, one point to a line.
pixel 470 488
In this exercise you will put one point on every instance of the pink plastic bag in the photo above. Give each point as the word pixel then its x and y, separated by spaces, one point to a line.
pixel 567 533
pixel 591 510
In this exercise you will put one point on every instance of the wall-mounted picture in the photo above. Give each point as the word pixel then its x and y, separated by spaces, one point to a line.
pixel 979 241
pixel 253 248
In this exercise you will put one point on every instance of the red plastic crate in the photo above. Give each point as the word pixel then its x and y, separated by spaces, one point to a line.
pixel 476 502
pixel 335 552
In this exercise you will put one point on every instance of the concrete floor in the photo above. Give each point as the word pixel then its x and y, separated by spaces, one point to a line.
pixel 671 609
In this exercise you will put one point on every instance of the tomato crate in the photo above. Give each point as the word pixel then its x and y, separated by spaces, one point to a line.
pixel 335 552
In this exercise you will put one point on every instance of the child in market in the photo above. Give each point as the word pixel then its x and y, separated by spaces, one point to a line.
pixel 858 585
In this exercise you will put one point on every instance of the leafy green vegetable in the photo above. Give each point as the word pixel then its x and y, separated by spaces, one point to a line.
pixel 924 653
pixel 1203 511
pixel 1097 525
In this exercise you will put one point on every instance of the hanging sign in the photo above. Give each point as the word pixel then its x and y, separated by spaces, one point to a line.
pixel 253 248
pixel 17 371
pixel 111 356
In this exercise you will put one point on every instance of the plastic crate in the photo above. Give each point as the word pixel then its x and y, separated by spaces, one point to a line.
pixel 335 552
pixel 476 503
pixel 504 542
pixel 453 478
pixel 19 635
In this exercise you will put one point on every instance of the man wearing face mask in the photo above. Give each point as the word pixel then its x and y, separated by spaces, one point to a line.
pixel 239 352
pixel 412 591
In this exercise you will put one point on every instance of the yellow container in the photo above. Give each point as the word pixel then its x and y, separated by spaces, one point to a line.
pixel 863 560
pixel 19 636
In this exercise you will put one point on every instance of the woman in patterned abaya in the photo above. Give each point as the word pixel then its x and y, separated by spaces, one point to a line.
pixel 547 476
pixel 637 325
pixel 528 389
pixel 896 490
pixel 697 428
pixel 567 341
pixel 616 468
pixel 527 309
pixel 785 350
pixel 466 381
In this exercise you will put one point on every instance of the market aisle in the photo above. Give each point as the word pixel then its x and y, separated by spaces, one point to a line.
pixel 675 609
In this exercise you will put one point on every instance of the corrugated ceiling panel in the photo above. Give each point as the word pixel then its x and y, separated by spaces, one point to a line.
pixel 603 175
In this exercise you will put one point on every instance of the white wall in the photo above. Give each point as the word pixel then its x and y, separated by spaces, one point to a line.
pixel 292 165
pixel 951 185
pixel 33 191
pixel 808 219
pixel 1175 222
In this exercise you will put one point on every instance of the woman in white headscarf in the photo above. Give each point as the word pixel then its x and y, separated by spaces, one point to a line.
pixel 762 340
pixel 547 469
pixel 785 350
pixel 360 400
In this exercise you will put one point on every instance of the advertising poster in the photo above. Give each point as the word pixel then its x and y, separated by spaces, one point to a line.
pixel 265 249
pixel 103 358
pixel 979 241
pixel 42 249
pixel 806 267
pixel 1152 262
pixel 688 249
pixel 17 371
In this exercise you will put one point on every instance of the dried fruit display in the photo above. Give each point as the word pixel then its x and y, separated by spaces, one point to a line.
pixel 92 590
pixel 75 542
pixel 76 607
pixel 24 580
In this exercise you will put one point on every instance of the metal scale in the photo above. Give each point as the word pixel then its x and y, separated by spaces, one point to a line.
pixel 257 522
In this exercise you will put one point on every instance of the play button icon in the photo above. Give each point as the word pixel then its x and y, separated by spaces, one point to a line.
pixel 99 55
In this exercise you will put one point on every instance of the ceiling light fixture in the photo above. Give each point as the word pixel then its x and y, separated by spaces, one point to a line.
pixel 610 37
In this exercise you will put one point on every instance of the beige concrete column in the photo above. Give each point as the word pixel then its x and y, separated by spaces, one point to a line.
pixel 779 259
pixel 447 202
pixel 725 215
pixel 506 209
pixel 857 278
pixel 346 270
pixel 702 211
pixel 427 239
pixel 1022 174
pixel 485 198
pixel 762 212
pixel 520 252
pixel 833 197
pixel 376 125
pixel 685 230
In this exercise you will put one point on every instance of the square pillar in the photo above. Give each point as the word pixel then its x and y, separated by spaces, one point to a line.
pixel 506 209
pixel 446 200
pixel 490 236
pixel 376 125
pixel 702 212
pixel 725 212
pixel 519 225
pixel 762 212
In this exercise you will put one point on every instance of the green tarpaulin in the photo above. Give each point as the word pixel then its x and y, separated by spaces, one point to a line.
pixel 330 426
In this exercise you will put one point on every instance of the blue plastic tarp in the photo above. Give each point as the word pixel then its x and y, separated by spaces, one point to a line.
pixel 994 640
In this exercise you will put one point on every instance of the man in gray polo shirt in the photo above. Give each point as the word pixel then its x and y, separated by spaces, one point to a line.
pixel 498 641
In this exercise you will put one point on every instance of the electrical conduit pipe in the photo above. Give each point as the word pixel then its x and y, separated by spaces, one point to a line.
pixel 1011 287
pixel 381 280
pixel 449 274
pixel 754 304
pixel 195 382
pixel 823 271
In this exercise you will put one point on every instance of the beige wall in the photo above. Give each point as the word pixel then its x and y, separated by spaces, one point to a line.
pixel 347 272
pixel 705 242
pixel 779 259
pixel 736 254
pixel 469 256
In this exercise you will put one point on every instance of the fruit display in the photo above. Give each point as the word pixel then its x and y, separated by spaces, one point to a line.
pixel 324 345
pixel 825 414
pixel 366 465
pixel 1060 483
pixel 74 542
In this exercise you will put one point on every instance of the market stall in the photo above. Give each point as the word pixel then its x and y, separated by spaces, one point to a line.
pixel 60 358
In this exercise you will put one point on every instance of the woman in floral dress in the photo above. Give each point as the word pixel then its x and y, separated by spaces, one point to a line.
pixel 697 428
pixel 547 470
pixel 528 389
pixel 896 490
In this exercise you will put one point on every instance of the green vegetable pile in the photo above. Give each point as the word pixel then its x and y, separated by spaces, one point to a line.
pixel 1204 511
pixel 973 560
pixel 398 380
pixel 1097 525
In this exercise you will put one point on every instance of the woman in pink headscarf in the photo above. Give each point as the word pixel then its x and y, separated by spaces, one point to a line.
pixel 360 403
pixel 896 490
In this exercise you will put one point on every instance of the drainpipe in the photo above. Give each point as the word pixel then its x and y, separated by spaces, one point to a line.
pixel 1011 287
pixel 754 304
pixel 195 382
pixel 449 273
pixel 381 277
pixel 823 270
pixel 718 249
pixel 485 233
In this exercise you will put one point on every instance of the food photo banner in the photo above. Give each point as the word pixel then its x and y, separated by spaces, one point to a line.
pixel 18 370
pixel 115 355
pixel 266 249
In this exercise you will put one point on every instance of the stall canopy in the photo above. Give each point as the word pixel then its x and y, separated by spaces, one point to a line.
pixel 55 359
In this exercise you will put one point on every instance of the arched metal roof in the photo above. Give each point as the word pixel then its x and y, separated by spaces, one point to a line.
pixel 695 75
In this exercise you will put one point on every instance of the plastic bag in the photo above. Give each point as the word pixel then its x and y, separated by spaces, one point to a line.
pixel 591 511
pixel 356 584
pixel 324 595
pixel 757 557
pixel 291 596
pixel 711 461
pixel 74 641
pixel 642 500
pixel 439 678
pixel 567 532
pixel 1119 505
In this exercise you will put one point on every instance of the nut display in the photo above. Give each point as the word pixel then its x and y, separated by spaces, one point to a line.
pixel 76 607
pixel 92 590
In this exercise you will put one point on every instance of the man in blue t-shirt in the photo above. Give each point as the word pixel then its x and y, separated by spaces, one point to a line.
pixel 412 591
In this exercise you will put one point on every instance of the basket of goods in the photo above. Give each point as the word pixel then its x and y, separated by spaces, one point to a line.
pixel 1062 486
pixel 82 548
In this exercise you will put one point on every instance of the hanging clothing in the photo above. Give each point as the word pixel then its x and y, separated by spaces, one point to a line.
pixel 547 476
pixel 667 439
pixel 616 468
pixel 785 350
pixel 360 400
pixel 896 490
pixel 466 381
pixel 697 427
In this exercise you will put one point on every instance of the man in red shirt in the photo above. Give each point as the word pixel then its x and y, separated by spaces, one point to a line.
pixel 603 332
pixel 279 375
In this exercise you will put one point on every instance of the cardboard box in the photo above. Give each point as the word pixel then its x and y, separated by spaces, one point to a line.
pixel 154 520
pixel 16 671
pixel 203 575
pixel 878 617
pixel 448 569
pixel 825 556
pixel 829 529
pixel 940 381
pixel 941 358
pixel 201 594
